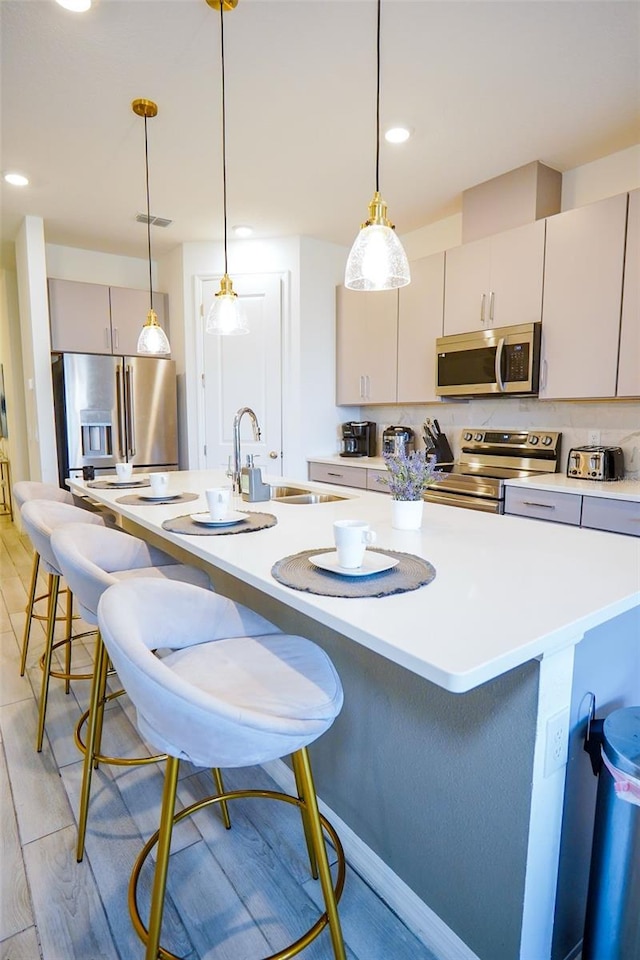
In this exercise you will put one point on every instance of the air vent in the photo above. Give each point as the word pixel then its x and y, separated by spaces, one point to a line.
pixel 154 221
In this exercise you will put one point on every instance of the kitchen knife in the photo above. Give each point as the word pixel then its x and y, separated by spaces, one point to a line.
pixel 437 426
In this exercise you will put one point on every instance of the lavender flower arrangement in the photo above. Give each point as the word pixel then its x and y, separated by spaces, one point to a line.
pixel 410 474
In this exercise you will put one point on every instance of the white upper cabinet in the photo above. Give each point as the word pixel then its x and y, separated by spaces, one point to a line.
pixel 629 363
pixel 420 317
pixel 496 281
pixel 95 318
pixel 582 300
pixel 366 346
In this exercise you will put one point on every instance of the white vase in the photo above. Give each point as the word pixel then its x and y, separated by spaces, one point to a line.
pixel 406 514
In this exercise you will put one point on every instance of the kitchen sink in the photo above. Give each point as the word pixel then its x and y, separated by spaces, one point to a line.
pixel 300 495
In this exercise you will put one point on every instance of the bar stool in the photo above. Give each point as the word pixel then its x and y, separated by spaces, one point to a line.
pixel 23 491
pixel 228 695
pixel 40 518
pixel 91 559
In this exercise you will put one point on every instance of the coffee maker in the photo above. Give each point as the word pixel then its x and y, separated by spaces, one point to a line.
pixel 358 439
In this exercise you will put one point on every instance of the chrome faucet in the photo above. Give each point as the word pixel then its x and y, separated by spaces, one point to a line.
pixel 237 463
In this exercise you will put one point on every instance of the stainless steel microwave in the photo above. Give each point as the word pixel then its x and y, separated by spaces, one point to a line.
pixel 501 361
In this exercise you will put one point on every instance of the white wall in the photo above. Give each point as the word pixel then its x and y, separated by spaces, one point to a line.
pixel 36 350
pixel 601 178
pixel 15 447
pixel 88 266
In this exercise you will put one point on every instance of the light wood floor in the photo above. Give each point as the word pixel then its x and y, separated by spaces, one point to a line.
pixel 234 895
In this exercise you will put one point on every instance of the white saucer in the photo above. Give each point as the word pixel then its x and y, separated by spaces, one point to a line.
pixel 205 519
pixel 164 496
pixel 371 563
pixel 133 482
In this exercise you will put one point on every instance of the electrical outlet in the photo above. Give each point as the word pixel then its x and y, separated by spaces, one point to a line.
pixel 594 438
pixel 557 745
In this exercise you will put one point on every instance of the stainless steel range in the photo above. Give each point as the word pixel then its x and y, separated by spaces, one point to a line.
pixel 488 458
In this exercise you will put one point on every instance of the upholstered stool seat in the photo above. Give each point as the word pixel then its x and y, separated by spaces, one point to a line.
pixel 91 560
pixel 233 692
pixel 40 518
pixel 24 490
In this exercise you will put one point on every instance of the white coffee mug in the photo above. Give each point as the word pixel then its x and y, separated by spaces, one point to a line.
pixel 124 471
pixel 351 539
pixel 218 502
pixel 159 484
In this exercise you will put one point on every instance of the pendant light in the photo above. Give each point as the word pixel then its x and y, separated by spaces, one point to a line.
pixel 152 337
pixel 377 260
pixel 225 316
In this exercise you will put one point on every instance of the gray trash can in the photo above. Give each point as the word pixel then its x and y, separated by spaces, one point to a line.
pixel 612 926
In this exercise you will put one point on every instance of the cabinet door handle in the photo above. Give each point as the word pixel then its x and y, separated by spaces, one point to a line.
pixel 330 474
pixel 492 300
pixel 107 338
pixel 533 503
pixel 543 378
pixel 116 339
pixel 483 299
pixel 367 381
pixel 361 387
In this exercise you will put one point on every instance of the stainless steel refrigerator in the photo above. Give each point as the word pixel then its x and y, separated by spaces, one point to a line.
pixel 114 409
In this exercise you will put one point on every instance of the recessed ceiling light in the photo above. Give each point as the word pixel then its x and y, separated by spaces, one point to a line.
pixel 77 6
pixel 397 135
pixel 241 231
pixel 16 179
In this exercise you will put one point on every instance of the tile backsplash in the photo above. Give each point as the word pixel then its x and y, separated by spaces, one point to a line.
pixel 618 422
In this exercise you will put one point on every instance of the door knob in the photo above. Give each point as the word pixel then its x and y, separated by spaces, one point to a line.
pixel 273 454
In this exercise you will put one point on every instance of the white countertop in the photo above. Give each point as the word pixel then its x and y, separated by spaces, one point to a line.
pixel 506 589
pixel 558 482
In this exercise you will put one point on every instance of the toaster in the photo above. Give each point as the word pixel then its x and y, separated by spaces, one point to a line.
pixel 596 463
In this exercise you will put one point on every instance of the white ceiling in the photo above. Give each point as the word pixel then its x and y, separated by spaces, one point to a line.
pixel 485 86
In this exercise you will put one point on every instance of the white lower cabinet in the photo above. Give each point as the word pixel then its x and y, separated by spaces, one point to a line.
pixel 598 513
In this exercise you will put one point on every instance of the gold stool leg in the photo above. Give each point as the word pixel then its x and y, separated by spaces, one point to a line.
pixel 29 612
pixel 90 751
pixel 162 857
pixel 313 863
pixel 68 634
pixel 224 806
pixel 317 838
pixel 46 669
pixel 104 668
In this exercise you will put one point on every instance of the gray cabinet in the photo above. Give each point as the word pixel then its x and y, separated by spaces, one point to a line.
pixel 366 478
pixel 598 513
pixel 420 317
pixel 95 318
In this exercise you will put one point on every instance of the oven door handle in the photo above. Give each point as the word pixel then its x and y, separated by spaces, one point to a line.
pixel 498 365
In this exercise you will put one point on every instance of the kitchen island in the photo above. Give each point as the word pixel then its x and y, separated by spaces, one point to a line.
pixel 438 770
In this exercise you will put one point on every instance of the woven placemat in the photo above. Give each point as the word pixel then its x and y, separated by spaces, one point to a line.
pixel 135 500
pixel 110 485
pixel 297 572
pixel 255 521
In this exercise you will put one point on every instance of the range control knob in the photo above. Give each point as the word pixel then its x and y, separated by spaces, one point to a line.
pixel 478 437
pixel 533 440
pixel 467 436
pixel 546 441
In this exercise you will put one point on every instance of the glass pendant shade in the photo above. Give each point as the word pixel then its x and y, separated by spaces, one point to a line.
pixel 377 260
pixel 226 316
pixel 152 337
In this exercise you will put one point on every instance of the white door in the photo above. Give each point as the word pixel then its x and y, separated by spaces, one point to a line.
pixel 245 371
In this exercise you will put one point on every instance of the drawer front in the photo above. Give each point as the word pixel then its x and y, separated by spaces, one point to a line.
pixel 343 476
pixel 543 505
pixel 372 481
pixel 618 516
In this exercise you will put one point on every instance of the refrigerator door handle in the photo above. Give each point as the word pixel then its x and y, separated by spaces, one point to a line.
pixel 130 411
pixel 119 413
